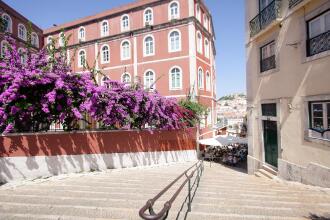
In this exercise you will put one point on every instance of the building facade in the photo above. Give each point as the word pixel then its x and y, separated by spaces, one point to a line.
pixel 288 88
pixel 18 27
pixel 167 46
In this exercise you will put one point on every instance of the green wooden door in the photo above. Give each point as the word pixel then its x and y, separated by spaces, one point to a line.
pixel 270 142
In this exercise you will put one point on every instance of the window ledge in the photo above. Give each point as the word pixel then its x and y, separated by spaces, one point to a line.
pixel 175 89
pixel 269 72
pixel 317 56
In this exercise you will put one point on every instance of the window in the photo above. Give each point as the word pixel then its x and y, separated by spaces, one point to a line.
pixel 81 34
pixel 105 54
pixel 126 78
pixel 264 3
pixel 61 39
pixel 208 81
pixel 4 47
pixel 175 78
pixel 125 23
pixel 82 58
pixel 174 10
pixel 207 48
pixel 49 40
pixel 148 17
pixel 200 78
pixel 149 46
pixel 199 42
pixel 8 24
pixel 174 41
pixel 198 12
pixel 320 116
pixel 149 80
pixel 22 32
pixel 125 50
pixel 104 28
pixel 267 56
pixel 34 40
pixel 105 82
pixel 269 109
pixel 22 55
pixel 206 21
pixel 318 34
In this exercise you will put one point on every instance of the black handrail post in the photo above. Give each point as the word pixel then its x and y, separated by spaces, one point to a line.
pixel 189 193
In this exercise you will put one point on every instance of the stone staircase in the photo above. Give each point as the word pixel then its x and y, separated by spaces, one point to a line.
pixel 266 172
pixel 223 193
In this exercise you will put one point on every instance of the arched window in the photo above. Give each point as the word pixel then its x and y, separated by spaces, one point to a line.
pixel 104 28
pixel 199 42
pixel 4 47
pixel 8 24
pixel 81 34
pixel 148 16
pixel 206 21
pixel 149 80
pixel 174 10
pixel 125 23
pixel 198 12
pixel 22 55
pixel 82 58
pixel 49 40
pixel 175 78
pixel 207 48
pixel 126 78
pixel 105 54
pixel 149 46
pixel 208 81
pixel 105 82
pixel 61 39
pixel 174 41
pixel 125 50
pixel 200 78
pixel 22 32
pixel 34 40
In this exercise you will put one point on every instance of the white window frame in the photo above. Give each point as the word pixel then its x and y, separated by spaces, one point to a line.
pixel 145 16
pixel 170 42
pixel 122 77
pixel 322 23
pixel 36 37
pixel 176 16
pixel 104 33
pixel 325 115
pixel 23 56
pixel 60 39
pixel 4 46
pixel 199 42
pixel 10 26
pixel 49 39
pixel 145 46
pixel 79 58
pixel 80 37
pixel 122 50
pixel 208 80
pixel 102 54
pixel 198 12
pixel 207 48
pixel 206 21
pixel 24 36
pixel 200 78
pixel 103 79
pixel 124 28
pixel 145 80
pixel 171 78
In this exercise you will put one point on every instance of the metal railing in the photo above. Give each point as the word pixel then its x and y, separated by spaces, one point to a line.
pixel 293 3
pixel 265 17
pixel 318 44
pixel 268 63
pixel 163 213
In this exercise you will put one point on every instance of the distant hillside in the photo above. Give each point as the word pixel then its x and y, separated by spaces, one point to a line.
pixel 232 97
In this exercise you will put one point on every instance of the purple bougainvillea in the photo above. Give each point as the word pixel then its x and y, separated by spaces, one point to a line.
pixel 36 93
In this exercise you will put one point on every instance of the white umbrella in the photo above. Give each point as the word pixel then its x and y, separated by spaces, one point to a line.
pixel 223 141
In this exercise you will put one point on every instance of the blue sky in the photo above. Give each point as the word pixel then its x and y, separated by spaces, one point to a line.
pixel 228 18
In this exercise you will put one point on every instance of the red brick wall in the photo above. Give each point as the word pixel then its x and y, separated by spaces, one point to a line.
pixel 100 142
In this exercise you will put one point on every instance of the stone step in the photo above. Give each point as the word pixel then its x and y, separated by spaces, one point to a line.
pixel 14 216
pixel 269 169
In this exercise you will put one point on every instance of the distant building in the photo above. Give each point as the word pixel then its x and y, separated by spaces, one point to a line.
pixel 288 88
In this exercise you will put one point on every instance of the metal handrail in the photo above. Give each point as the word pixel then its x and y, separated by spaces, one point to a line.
pixel 162 214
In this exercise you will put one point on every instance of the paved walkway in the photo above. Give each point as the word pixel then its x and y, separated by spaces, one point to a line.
pixel 118 194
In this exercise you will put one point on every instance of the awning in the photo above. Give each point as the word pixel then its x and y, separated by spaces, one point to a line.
pixel 223 141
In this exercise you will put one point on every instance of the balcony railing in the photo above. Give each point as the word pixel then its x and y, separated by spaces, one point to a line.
pixel 318 44
pixel 293 3
pixel 268 64
pixel 265 17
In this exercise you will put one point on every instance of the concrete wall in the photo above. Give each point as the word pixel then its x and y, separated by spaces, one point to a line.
pixel 296 80
pixel 30 156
